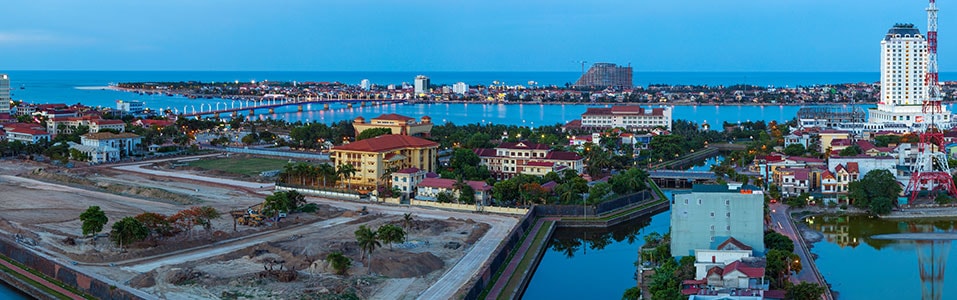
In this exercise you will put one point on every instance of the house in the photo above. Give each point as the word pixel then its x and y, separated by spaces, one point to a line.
pixel 28 133
pixel 406 180
pixel 628 117
pixel 793 181
pixel 374 157
pixel 730 250
pixel 96 155
pixel 94 123
pixel 828 136
pixel 398 124
pixel 510 159
pixel 125 143
pixel 430 188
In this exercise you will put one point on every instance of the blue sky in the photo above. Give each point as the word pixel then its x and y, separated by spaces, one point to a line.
pixel 457 35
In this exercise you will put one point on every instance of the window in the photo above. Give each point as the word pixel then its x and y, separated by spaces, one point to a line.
pixel 712 214
pixel 699 201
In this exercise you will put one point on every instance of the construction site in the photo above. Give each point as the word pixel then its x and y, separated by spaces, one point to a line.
pixel 244 254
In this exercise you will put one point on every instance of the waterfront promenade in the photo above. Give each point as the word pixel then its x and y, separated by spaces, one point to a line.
pixel 46 284
pixel 782 223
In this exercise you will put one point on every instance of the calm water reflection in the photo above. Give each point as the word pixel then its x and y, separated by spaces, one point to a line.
pixel 593 264
pixel 859 267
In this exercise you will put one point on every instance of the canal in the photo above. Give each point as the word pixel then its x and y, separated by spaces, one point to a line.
pixel 593 264
pixel 858 267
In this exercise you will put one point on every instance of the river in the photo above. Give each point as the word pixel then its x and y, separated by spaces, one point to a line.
pixel 858 267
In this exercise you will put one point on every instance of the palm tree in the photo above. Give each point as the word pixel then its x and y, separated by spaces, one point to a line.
pixel 391 234
pixel 368 241
pixel 326 171
pixel 386 177
pixel 407 221
pixel 346 172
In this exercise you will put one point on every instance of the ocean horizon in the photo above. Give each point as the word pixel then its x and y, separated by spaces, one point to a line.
pixel 558 78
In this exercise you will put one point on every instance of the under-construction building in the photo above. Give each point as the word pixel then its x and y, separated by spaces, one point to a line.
pixel 606 75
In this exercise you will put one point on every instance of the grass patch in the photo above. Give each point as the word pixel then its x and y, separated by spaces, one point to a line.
pixel 526 261
pixel 45 277
pixel 243 166
pixel 498 274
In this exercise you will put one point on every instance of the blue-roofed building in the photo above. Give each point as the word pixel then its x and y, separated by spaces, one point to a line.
pixel 712 211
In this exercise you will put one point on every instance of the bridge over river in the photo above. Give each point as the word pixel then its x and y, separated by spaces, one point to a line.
pixel 676 179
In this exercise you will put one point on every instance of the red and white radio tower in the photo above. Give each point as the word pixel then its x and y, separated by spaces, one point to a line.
pixel 930 171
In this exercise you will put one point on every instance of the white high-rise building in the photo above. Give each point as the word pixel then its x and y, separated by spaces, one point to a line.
pixel 421 84
pixel 460 88
pixel 903 79
pixel 365 84
pixel 5 94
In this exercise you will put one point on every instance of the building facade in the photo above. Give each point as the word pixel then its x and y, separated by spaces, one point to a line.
pixel 5 97
pixel 422 83
pixel 399 124
pixel 606 75
pixel 714 212
pixel 430 188
pixel 628 117
pixel 510 159
pixel 125 143
pixel 406 180
pixel 132 107
pixel 27 133
pixel 373 158
pixel 460 88
pixel 903 79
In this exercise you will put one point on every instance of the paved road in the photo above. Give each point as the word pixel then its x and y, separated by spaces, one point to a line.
pixel 781 222
pixel 506 276
pixel 469 265
pixel 245 184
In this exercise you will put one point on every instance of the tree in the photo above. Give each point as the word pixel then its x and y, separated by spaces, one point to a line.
pixel 368 241
pixel 157 224
pixel 93 220
pixel 346 172
pixel 128 231
pixel 391 234
pixel 373 132
pixel 407 221
pixel 664 285
pixel 282 201
pixel 193 216
pixel 774 240
pixel 632 293
pixel 598 192
pixel 875 191
pixel 795 150
pixel 340 263
pixel 850 151
pixel 780 265
pixel 444 197
pixel 686 269
pixel 805 291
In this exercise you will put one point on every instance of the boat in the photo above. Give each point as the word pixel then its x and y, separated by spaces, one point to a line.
pixel 22 87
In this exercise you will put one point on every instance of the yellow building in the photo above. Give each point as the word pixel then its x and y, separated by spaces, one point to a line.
pixel 373 157
pixel 828 136
pixel 399 124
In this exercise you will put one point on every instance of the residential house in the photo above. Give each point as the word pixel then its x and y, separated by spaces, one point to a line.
pixel 430 188
pixel 28 133
pixel 509 159
pixel 793 181
pixel 828 136
pixel 125 143
pixel 406 180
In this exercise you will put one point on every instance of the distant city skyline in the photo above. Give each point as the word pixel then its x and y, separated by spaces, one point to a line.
pixel 432 35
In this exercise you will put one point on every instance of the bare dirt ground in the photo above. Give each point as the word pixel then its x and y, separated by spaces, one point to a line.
pixel 250 263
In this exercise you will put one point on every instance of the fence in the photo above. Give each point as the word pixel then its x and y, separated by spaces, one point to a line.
pixel 321 193
pixel 470 207
pixel 500 256
pixel 302 155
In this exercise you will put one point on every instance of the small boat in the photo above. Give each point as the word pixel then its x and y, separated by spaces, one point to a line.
pixel 22 87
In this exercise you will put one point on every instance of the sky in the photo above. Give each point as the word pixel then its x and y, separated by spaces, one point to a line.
pixel 458 35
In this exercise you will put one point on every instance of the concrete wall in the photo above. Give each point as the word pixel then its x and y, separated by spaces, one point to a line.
pixel 320 193
pixel 719 214
pixel 498 258
pixel 470 207
pixel 90 285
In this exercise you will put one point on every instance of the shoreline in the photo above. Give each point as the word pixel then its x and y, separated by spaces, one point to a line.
pixel 650 104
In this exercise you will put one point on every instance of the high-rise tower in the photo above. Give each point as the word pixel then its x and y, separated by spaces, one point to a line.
pixel 5 94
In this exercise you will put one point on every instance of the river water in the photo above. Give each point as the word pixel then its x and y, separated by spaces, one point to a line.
pixel 8 292
pixel 859 267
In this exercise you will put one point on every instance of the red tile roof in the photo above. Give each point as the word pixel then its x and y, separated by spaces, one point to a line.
pixel 450 184
pixel 25 128
pixel 408 171
pixel 108 122
pixel 483 152
pixel 801 174
pixel 751 272
pixel 523 146
pixel 386 142
pixel 827 175
pixel 562 155
pixel 865 145
pixel 852 167
pixel 394 117
pixel 574 124
pixel 735 242
pixel 840 142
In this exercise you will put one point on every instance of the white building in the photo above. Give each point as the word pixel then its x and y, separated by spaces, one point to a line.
pixel 628 117
pixel 97 155
pixel 5 94
pixel 132 107
pixel 27 133
pixel 715 212
pixel 421 84
pixel 903 85
pixel 125 143
pixel 365 84
pixel 430 188
pixel 460 88
pixel 407 179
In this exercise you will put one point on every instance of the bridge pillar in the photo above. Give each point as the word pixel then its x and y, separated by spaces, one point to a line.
pixel 349 105
pixel 272 110
pixel 216 116
pixel 362 104
pixel 300 107
pixel 252 112
pixel 234 114
pixel 325 106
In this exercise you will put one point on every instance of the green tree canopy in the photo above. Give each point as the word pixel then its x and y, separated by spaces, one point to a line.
pixel 391 234
pixel 795 150
pixel 128 231
pixel 93 220
pixel 373 132
pixel 283 201
pixel 774 240
pixel 340 263
pixel 805 291
pixel 875 192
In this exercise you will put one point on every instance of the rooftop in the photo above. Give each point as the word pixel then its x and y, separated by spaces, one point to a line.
pixel 724 188
pixel 386 142
pixel 109 135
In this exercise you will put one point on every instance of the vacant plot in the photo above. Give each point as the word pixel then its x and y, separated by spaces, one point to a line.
pixel 251 166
